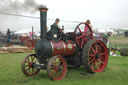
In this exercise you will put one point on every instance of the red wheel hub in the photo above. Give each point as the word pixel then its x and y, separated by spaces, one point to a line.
pixel 30 64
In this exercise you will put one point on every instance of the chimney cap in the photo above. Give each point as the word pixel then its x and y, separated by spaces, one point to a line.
pixel 42 7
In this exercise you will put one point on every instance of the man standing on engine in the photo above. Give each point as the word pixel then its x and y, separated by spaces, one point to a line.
pixel 88 22
pixel 56 22
pixel 55 25
pixel 55 30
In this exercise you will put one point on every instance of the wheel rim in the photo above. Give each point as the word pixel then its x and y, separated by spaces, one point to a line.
pixel 98 56
pixel 57 68
pixel 83 33
pixel 28 67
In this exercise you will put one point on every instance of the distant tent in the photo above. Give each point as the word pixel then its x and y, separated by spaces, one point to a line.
pixel 23 31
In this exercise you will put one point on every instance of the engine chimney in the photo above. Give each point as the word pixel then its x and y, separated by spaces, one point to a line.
pixel 43 22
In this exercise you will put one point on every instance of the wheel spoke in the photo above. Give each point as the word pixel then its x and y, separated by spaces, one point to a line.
pixel 101 61
pixel 100 48
pixel 28 59
pixel 85 39
pixel 96 48
pixel 91 55
pixel 93 50
pixel 26 65
pixel 91 60
pixel 53 72
pixel 101 54
pixel 62 66
pixel 28 69
pixel 33 59
pixel 80 30
pixel 34 70
pixel 87 34
pixel 79 37
pixel 26 62
pixel 57 74
pixel 97 66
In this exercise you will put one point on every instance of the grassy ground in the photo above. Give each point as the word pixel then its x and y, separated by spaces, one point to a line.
pixel 116 73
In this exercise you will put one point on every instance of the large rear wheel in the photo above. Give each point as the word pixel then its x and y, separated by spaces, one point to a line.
pixel 95 56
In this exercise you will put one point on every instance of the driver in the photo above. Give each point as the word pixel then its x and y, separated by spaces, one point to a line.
pixel 56 32
pixel 55 25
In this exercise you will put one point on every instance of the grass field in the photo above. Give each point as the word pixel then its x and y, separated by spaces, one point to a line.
pixel 116 73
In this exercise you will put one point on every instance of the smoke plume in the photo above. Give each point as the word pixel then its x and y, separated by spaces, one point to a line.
pixel 18 6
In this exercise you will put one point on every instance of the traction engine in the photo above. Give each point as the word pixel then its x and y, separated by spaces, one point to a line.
pixel 56 51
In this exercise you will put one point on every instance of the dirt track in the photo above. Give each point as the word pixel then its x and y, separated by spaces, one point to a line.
pixel 120 41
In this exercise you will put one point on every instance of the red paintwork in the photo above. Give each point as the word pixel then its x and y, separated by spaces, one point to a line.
pixel 63 48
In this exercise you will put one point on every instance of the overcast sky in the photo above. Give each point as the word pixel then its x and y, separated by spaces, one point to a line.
pixel 102 13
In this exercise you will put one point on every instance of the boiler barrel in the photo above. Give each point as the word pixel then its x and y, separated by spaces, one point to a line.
pixel 63 48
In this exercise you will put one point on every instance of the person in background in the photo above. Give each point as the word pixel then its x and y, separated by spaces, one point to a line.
pixel 8 36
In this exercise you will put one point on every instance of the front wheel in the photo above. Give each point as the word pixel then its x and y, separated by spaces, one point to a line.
pixel 28 67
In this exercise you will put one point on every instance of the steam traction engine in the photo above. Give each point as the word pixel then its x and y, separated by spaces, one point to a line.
pixel 56 51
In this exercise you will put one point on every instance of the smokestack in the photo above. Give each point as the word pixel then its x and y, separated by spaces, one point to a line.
pixel 43 22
